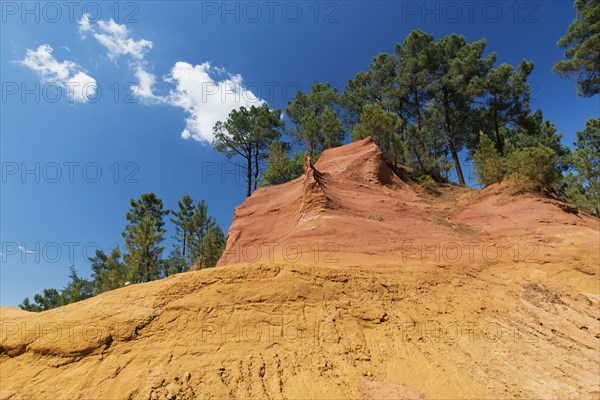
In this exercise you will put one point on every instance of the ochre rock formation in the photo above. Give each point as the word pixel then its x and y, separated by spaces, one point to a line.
pixel 373 289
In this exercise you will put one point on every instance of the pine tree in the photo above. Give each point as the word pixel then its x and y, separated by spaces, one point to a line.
pixel 193 226
pixel 108 272
pixel 268 128
pixel 183 225
pixel 143 258
pixel 247 133
pixel 143 237
pixel 383 86
pixel 377 86
pixel 315 119
pixel 432 157
pixel 414 59
pixel 147 205
pixel 582 44
pixel 214 245
pixel 356 94
pixel 115 273
pixel 199 226
pixel 506 94
pixel 98 265
pixel 28 306
pixel 455 65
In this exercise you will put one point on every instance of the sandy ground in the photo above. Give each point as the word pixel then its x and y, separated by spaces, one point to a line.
pixel 384 291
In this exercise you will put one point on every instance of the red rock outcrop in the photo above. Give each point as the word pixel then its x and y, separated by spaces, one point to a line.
pixel 351 205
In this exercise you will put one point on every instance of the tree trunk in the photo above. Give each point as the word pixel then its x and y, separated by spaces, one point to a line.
pixel 417 106
pixel 184 244
pixel 499 144
pixel 451 142
pixel 419 125
pixel 202 255
pixel 249 174
pixel 419 160
pixel 256 166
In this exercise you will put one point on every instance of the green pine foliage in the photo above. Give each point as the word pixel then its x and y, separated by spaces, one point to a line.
pixel 507 95
pixel 382 126
pixel 76 290
pixel 316 123
pixel 280 167
pixel 536 131
pixel 489 164
pixel 108 272
pixel 214 246
pixel 583 186
pixel 192 224
pixel 143 238
pixel 48 299
pixel 332 131
pixel 534 168
pixel 247 135
pixel 143 242
pixel 582 48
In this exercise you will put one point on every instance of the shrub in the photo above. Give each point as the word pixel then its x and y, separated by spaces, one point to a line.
pixel 534 168
pixel 489 165
pixel 429 184
pixel 571 188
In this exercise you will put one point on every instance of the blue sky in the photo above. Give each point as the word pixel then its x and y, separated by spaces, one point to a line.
pixel 189 63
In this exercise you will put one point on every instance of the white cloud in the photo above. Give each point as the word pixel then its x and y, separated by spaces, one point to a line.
pixel 115 37
pixel 186 134
pixel 66 74
pixel 84 24
pixel 82 87
pixel 43 62
pixel 196 90
pixel 145 88
pixel 206 100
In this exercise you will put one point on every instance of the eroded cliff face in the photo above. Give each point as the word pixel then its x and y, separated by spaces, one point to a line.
pixel 350 205
pixel 372 289
pixel 340 202
pixel 314 200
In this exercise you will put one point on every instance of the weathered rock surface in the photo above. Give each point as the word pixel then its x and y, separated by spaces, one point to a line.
pixel 383 291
